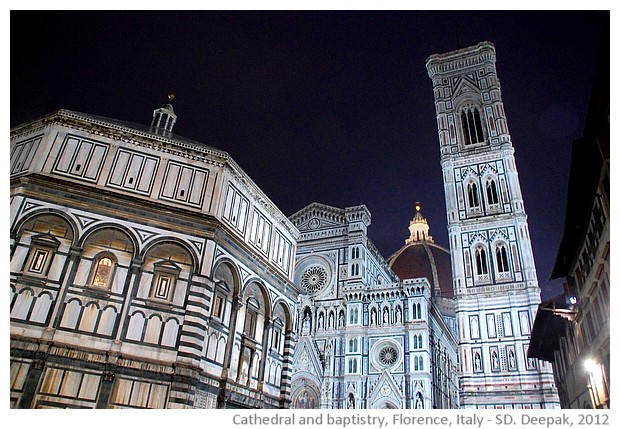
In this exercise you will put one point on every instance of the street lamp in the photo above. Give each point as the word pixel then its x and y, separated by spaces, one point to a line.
pixel 590 365
pixel 597 384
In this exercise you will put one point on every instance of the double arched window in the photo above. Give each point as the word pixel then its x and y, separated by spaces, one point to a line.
pixel 472 195
pixel 418 363
pixel 353 315
pixel 491 191
pixel 352 366
pixel 353 345
pixel 501 260
pixel 417 310
pixel 417 341
pixel 482 266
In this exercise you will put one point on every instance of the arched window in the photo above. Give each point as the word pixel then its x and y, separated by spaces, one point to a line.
pixel 249 328
pixel 353 345
pixel 472 195
pixel 515 258
pixel 467 264
pixel 481 262
pixel 491 189
pixel 103 271
pixel 417 341
pixel 352 366
pixel 353 316
pixel 418 363
pixel 472 126
pixel 501 257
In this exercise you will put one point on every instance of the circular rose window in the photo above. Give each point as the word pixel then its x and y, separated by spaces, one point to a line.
pixel 388 355
pixel 314 279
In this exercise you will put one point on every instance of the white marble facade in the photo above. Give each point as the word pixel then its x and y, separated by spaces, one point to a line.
pixel 367 339
pixel 147 271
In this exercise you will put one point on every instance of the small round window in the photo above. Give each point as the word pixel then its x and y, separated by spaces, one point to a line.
pixel 314 279
pixel 388 355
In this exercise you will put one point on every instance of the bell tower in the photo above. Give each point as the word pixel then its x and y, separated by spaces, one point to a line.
pixel 493 269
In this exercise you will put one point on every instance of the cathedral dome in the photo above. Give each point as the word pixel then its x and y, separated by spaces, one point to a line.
pixel 421 257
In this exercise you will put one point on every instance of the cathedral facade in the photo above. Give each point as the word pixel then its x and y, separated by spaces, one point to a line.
pixel 149 271
pixel 366 338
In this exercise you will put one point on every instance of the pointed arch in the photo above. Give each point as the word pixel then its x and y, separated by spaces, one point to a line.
pixel 501 258
pixel 491 191
pixel 473 196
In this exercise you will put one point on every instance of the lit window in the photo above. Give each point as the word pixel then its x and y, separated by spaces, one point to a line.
pixel 38 261
pixel 163 286
pixel 41 254
pixel 218 306
pixel 102 276
pixel 165 276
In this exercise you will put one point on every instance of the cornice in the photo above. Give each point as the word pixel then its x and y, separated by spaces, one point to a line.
pixel 473 56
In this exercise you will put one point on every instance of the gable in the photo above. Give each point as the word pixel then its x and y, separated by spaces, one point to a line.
pixel 318 216
pixel 306 359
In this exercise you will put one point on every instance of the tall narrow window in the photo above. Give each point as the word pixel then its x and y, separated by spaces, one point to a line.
pixel 472 195
pixel 250 323
pixel 491 188
pixel 102 274
pixel 417 310
pixel 165 275
pixel 481 262
pixel 163 286
pixel 39 260
pixel 502 259
pixel 218 306
pixel 472 126
pixel 467 264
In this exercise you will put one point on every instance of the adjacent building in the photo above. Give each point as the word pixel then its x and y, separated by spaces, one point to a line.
pixel 572 330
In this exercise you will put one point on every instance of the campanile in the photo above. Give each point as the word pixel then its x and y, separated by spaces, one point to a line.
pixel 493 268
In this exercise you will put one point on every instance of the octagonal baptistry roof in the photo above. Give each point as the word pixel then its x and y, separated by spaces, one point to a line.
pixel 421 257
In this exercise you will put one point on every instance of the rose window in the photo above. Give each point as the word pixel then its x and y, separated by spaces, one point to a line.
pixel 314 279
pixel 388 355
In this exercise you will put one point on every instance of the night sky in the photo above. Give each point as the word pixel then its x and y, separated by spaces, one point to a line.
pixel 333 107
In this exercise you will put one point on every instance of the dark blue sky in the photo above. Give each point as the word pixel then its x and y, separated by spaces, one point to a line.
pixel 333 107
